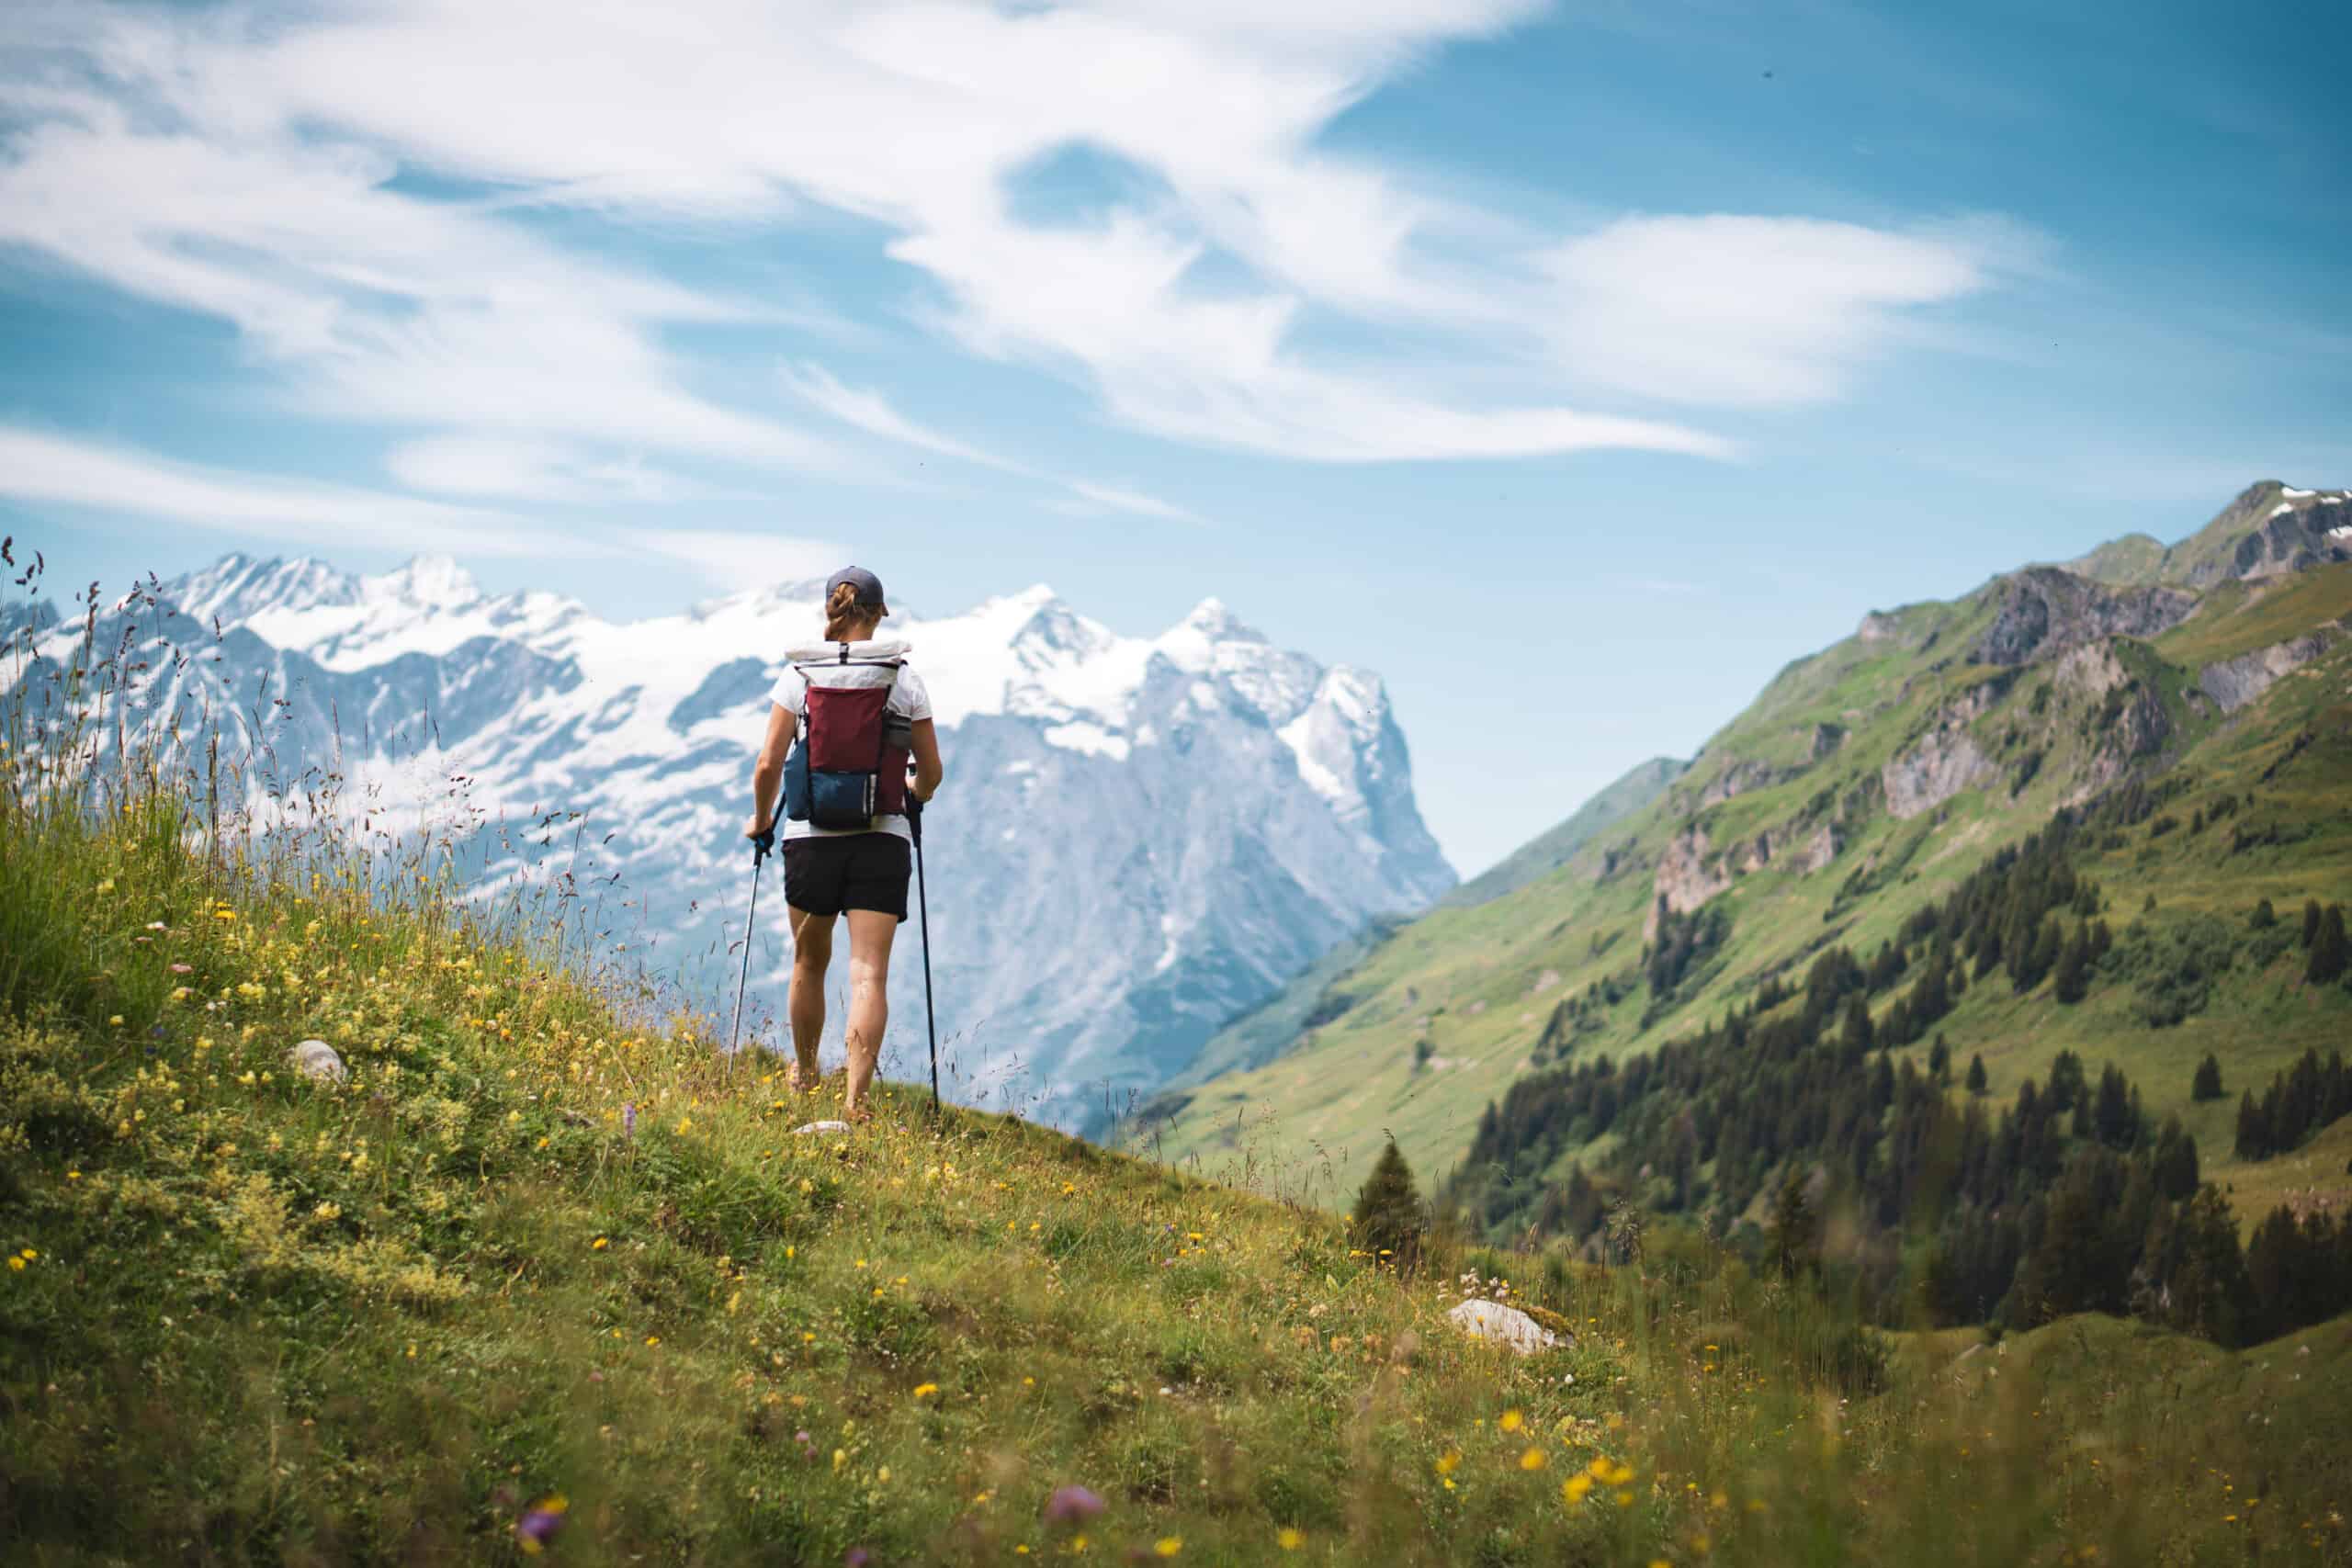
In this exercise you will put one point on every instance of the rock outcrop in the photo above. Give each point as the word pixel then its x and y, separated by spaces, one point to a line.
pixel 2091 670
pixel 1738 779
pixel 1943 763
pixel 1685 880
pixel 2233 683
pixel 2045 611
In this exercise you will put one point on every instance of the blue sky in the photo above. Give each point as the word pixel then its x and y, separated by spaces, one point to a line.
pixel 1640 347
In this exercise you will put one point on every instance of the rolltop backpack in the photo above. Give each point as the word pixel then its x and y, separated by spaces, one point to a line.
pixel 848 766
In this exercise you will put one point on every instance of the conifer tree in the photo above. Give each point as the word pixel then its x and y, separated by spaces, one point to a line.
pixel 2072 981
pixel 1794 1225
pixel 1977 1081
pixel 2206 1085
pixel 2330 952
pixel 1388 1215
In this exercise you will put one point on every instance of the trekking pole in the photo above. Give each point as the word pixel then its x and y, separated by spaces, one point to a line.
pixel 760 848
pixel 923 905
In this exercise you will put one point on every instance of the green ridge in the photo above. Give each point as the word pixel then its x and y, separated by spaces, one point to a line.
pixel 1805 768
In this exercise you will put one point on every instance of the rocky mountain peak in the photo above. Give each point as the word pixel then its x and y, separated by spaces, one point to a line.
pixel 428 582
pixel 238 586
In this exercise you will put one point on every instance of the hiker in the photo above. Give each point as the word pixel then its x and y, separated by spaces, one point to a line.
pixel 847 844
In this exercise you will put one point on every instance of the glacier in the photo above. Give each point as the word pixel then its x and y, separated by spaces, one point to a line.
pixel 1139 836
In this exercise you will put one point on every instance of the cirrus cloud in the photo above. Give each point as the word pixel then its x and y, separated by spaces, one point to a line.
pixel 350 189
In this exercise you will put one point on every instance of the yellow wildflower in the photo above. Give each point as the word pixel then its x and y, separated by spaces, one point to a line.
pixel 1512 1421
pixel 1576 1489
pixel 1167 1546
pixel 1289 1540
pixel 599 1245
pixel 1448 1461
pixel 1531 1460
pixel 925 1390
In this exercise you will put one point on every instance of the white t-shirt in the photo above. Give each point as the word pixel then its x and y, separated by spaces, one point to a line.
pixel 908 698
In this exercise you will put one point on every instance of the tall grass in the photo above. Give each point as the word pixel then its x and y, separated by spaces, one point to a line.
pixel 546 1274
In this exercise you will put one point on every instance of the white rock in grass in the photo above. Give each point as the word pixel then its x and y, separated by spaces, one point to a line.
pixel 316 1059
pixel 822 1127
pixel 1507 1326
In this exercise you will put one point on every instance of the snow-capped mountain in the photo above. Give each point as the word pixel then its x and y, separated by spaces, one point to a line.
pixel 1138 838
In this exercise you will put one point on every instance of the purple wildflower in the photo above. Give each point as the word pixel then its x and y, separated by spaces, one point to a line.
pixel 858 1558
pixel 629 1121
pixel 539 1524
pixel 1072 1505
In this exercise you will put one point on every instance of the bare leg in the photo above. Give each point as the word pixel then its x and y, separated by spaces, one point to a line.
pixel 870 935
pixel 813 950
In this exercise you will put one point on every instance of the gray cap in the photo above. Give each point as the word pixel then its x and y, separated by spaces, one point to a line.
pixel 868 586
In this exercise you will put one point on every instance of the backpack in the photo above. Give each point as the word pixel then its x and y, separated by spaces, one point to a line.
pixel 848 765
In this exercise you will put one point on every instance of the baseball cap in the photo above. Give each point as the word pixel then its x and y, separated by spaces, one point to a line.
pixel 868 586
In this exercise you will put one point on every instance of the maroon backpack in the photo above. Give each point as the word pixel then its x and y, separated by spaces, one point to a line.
pixel 849 764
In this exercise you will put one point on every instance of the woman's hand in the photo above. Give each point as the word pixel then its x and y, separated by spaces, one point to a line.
pixel 759 829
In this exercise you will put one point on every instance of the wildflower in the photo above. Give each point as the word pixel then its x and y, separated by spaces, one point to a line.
pixel 629 1121
pixel 539 1524
pixel 115 1021
pixel 1531 1460
pixel 1512 1421
pixel 1599 1469
pixel 1624 1499
pixel 17 1264
pixel 73 1176
pixel 1289 1540
pixel 857 1557
pixel 1448 1461
pixel 925 1390
pixel 1072 1505
pixel 1576 1489
pixel 653 1339
pixel 1167 1545
pixel 598 1245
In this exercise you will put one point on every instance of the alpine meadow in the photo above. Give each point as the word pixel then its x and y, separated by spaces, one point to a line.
pixel 873 784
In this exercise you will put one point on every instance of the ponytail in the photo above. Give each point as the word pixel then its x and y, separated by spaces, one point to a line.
pixel 844 617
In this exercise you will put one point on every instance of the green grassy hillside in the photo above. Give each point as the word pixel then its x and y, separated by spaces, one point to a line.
pixel 1863 784
pixel 543 1276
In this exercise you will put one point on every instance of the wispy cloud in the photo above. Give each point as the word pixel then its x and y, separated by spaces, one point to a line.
pixel 1119 499
pixel 874 413
pixel 247 163
pixel 728 559
pixel 36 466
pixel 523 468
pixel 1742 310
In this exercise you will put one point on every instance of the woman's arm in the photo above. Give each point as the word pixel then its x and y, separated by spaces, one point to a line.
pixel 767 774
pixel 928 773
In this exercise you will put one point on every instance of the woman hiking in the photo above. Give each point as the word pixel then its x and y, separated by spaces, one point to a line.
pixel 860 714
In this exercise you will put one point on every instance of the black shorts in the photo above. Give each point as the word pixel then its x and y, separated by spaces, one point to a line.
pixel 848 871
